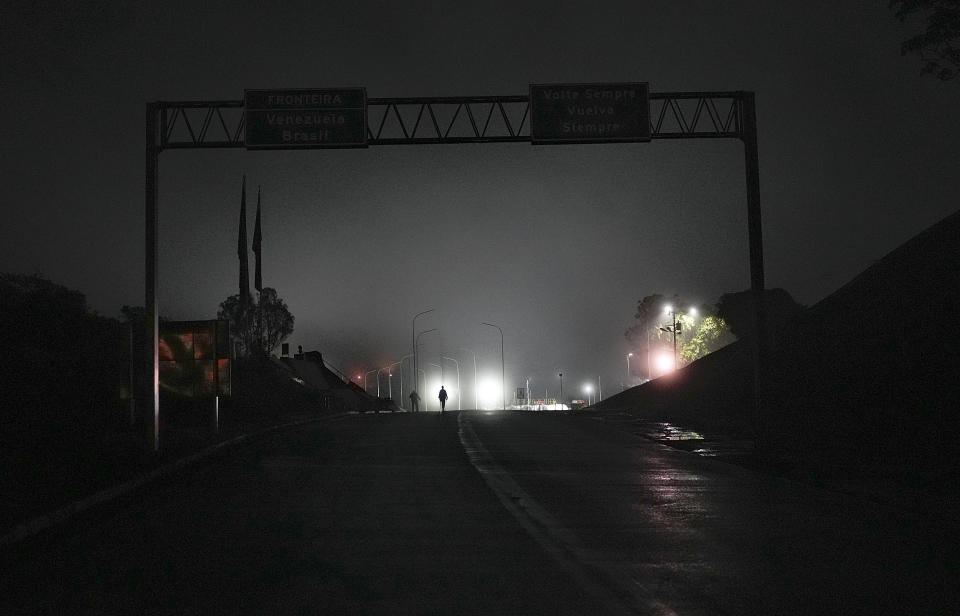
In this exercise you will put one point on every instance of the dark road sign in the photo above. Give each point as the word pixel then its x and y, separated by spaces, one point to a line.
pixel 298 119
pixel 589 112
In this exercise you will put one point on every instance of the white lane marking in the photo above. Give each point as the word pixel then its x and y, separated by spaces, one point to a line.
pixel 557 540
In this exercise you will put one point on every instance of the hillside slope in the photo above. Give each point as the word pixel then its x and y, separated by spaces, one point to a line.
pixel 868 378
pixel 865 382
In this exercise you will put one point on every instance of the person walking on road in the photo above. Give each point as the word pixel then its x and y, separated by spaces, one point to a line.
pixel 443 399
pixel 414 401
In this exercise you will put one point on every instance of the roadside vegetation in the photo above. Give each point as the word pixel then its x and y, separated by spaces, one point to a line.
pixel 66 426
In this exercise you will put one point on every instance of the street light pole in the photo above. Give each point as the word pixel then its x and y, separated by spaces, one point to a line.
pixel 675 327
pixel 629 355
pixel 365 380
pixel 413 342
pixel 673 318
pixel 672 329
pixel 441 376
pixel 649 371
pixel 503 393
pixel 390 378
pixel 401 379
pixel 476 397
pixel 379 370
pixel 459 391
pixel 416 358
pixel 424 384
pixel 561 387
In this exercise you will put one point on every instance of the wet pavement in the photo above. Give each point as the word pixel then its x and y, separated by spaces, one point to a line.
pixel 671 532
pixel 475 513
pixel 735 448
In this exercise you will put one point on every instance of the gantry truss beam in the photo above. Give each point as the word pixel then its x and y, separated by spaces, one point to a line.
pixel 455 119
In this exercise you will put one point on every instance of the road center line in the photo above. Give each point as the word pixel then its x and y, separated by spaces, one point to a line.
pixel 557 540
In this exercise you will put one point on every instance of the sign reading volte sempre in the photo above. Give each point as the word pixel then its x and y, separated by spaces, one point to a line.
pixel 326 118
pixel 589 112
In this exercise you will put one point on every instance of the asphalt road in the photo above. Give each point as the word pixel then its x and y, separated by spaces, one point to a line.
pixel 473 513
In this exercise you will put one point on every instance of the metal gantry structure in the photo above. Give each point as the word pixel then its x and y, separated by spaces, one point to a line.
pixel 457 119
pixel 174 125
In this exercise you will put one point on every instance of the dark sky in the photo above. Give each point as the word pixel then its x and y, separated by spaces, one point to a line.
pixel 555 244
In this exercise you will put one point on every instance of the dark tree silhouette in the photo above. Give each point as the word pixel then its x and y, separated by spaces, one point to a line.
pixel 239 311
pixel 648 316
pixel 259 327
pixel 60 363
pixel 938 45
pixel 273 323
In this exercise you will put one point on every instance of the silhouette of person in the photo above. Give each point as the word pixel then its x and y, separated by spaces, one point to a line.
pixel 414 401
pixel 443 399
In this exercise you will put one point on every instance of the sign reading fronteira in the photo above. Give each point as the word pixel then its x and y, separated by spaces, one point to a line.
pixel 589 112
pixel 298 119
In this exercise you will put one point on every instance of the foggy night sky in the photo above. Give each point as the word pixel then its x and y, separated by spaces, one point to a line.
pixel 555 244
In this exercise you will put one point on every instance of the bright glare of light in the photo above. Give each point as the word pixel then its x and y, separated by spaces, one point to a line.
pixel 588 388
pixel 490 394
pixel 693 311
pixel 664 362
pixel 668 308
pixel 629 354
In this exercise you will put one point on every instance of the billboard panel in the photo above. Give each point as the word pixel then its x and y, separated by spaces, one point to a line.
pixel 194 358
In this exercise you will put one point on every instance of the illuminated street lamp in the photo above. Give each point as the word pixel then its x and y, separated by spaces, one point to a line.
pixel 588 389
pixel 629 355
pixel 676 327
